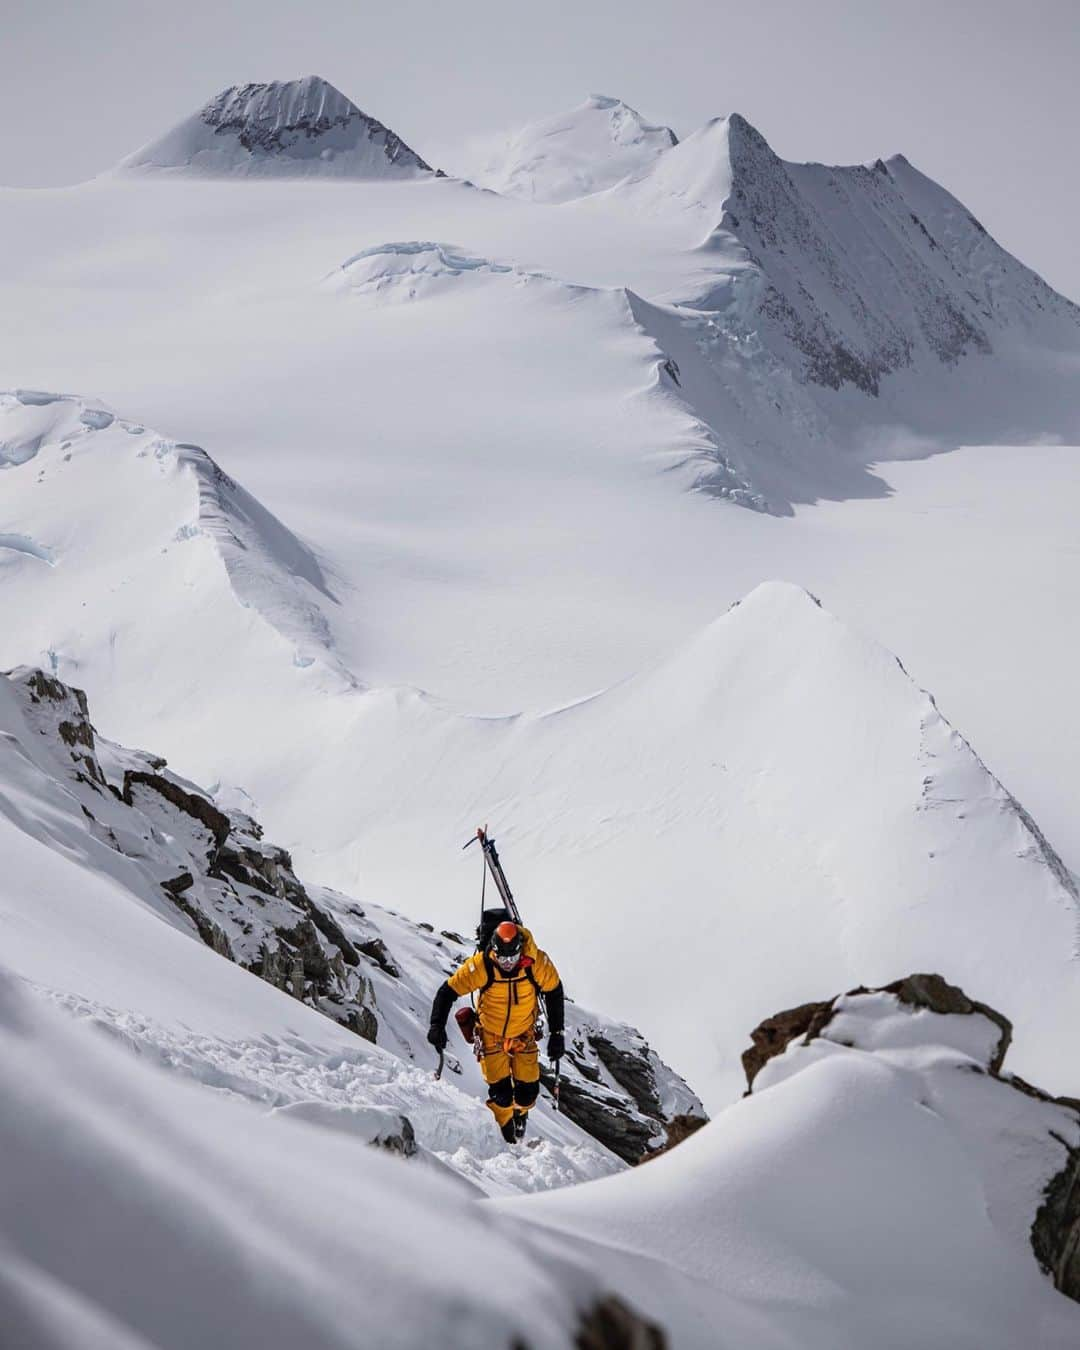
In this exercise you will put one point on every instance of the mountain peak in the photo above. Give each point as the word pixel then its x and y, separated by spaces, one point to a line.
pixel 281 128
pixel 574 154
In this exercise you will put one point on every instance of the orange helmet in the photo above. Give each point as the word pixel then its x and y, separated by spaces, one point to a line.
pixel 507 945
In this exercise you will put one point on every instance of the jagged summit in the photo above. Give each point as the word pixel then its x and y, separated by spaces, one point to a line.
pixel 574 154
pixel 286 127
pixel 869 281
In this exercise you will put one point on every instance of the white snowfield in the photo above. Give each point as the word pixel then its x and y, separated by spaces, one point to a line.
pixel 594 146
pixel 138 1211
pixel 495 448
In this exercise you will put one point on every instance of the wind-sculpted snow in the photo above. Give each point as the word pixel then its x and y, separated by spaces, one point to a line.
pixel 139 1211
pixel 881 1186
pixel 71 467
pixel 590 148
pixel 408 271
pixel 296 127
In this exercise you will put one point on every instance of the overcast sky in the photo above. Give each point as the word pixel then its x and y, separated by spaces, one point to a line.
pixel 980 94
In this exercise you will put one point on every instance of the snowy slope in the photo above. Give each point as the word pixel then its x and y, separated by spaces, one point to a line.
pixel 739 782
pixel 137 1211
pixel 125 817
pixel 196 537
pixel 573 154
pixel 284 128
pixel 880 1187
pixel 778 792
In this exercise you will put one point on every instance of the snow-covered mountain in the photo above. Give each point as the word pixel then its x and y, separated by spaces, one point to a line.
pixel 208 872
pixel 573 154
pixel 776 773
pixel 859 309
pixel 284 128
pixel 468 579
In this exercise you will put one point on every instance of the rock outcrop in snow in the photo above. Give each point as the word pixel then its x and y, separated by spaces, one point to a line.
pixel 281 129
pixel 591 147
pixel 887 1182
pixel 894 1019
pixel 373 972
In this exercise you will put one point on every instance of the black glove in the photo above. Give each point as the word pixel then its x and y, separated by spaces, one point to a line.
pixel 437 1036
pixel 556 1045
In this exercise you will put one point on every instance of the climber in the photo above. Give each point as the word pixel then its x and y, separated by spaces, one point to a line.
pixel 507 974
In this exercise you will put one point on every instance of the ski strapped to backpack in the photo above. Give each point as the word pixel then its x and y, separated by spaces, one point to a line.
pixel 498 876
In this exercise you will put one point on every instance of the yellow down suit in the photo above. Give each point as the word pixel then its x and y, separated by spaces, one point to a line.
pixel 506 1008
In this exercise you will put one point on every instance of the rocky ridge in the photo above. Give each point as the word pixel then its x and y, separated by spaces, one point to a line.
pixel 370 970
pixel 303 126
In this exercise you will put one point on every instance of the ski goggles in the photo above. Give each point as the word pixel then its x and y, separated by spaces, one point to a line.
pixel 506 963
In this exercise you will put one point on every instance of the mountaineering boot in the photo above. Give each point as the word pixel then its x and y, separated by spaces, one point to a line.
pixel 509 1132
pixel 519 1122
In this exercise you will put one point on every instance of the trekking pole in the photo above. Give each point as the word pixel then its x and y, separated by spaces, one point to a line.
pixel 438 1071
pixel 555 1090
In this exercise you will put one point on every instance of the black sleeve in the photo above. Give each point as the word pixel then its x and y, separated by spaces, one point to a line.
pixel 445 999
pixel 555 1000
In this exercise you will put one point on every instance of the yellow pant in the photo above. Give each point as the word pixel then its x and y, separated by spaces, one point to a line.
pixel 512 1075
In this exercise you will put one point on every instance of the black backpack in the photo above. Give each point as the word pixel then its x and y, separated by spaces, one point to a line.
pixel 489 921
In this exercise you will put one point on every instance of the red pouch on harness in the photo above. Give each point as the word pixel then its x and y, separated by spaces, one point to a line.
pixel 466 1020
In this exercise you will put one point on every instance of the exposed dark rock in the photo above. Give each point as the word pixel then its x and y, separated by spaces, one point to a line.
pixel 612 1324
pixel 775 1034
pixel 364 1022
pixel 630 1071
pixel 76 733
pixel 402 1141
pixel 178 885
pixel 1055 1234
pixel 254 114
pixel 932 991
pixel 609 1088
pixel 200 808
pixel 210 933
pixel 376 950
pixel 66 712
pixel 1055 1231
pixel 604 1116
pixel 678 1128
